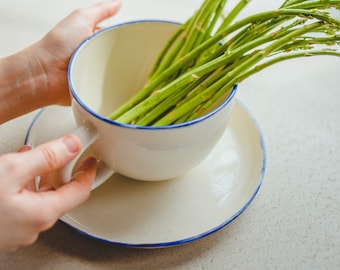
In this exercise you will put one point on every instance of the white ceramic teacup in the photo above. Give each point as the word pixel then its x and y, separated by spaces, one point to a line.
pixel 104 71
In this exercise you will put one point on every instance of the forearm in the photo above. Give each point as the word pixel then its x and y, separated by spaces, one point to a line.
pixel 20 79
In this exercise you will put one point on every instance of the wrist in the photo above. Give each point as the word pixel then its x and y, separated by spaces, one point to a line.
pixel 24 84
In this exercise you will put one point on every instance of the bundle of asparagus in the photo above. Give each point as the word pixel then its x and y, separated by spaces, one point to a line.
pixel 209 54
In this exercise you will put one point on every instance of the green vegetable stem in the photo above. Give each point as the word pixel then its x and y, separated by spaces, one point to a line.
pixel 210 53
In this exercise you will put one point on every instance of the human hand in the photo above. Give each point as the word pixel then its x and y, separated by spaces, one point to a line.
pixel 37 76
pixel 51 55
pixel 26 212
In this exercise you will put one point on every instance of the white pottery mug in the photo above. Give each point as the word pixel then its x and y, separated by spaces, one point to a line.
pixel 104 71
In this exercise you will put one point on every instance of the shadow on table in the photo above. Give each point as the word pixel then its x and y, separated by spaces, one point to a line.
pixel 63 248
pixel 62 239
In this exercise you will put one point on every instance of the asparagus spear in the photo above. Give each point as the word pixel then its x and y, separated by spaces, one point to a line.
pixel 209 54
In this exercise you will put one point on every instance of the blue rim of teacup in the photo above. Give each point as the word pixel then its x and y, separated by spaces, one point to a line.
pixel 105 119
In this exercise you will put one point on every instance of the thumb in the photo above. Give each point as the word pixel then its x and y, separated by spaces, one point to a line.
pixel 47 157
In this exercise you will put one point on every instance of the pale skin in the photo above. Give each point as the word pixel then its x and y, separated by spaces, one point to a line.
pixel 30 79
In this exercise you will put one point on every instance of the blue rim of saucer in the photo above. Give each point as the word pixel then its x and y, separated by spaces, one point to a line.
pixel 105 119
pixel 208 232
pixel 188 239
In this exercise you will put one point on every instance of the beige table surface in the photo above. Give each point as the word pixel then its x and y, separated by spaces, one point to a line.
pixel 293 223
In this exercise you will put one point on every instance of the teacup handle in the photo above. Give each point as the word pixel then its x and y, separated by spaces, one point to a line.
pixel 87 134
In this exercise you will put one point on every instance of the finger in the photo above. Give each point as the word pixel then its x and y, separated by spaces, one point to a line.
pixel 46 158
pixel 32 185
pixel 102 11
pixel 58 202
pixel 78 190
pixel 38 184
pixel 45 184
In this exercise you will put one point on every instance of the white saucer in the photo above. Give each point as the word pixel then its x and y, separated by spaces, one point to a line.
pixel 167 213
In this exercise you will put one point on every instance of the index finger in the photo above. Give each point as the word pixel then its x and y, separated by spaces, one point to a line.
pixel 78 190
pixel 51 205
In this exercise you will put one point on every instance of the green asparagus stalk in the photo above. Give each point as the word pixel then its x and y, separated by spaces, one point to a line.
pixel 198 67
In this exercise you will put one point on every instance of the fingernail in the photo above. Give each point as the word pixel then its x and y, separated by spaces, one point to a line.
pixel 24 148
pixel 71 143
pixel 87 163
